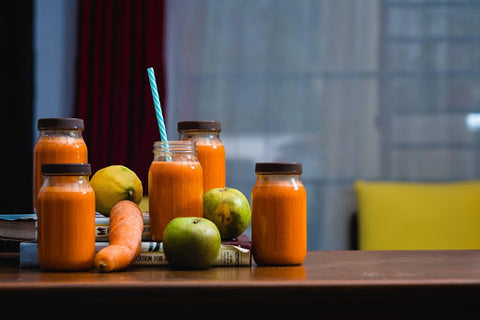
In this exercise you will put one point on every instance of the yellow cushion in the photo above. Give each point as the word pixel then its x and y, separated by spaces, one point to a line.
pixel 410 216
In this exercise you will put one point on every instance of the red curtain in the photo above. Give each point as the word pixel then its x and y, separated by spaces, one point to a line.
pixel 117 42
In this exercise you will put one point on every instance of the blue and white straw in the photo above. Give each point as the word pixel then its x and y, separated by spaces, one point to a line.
pixel 158 107
pixel 156 102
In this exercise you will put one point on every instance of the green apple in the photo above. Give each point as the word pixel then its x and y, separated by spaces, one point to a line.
pixel 229 209
pixel 191 243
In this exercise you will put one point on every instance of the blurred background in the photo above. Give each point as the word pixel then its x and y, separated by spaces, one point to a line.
pixel 372 89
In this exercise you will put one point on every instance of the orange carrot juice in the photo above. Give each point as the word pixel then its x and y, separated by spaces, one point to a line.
pixel 60 141
pixel 175 185
pixel 279 215
pixel 66 224
pixel 212 159
pixel 210 150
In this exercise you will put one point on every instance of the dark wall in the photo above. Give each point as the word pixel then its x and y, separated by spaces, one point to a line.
pixel 16 101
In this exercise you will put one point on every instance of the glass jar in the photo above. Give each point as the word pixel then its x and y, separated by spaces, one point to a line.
pixel 175 184
pixel 59 141
pixel 279 214
pixel 66 223
pixel 210 150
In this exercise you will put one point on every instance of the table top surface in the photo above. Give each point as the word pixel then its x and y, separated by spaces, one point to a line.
pixel 320 269
pixel 338 284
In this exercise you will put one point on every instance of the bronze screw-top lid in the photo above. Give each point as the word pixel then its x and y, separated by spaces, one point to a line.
pixel 60 123
pixel 66 169
pixel 208 125
pixel 279 167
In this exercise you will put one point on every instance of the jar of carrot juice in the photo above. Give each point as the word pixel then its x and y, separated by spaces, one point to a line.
pixel 279 214
pixel 175 184
pixel 66 223
pixel 211 152
pixel 59 141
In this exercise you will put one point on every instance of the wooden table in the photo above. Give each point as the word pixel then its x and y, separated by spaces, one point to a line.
pixel 392 284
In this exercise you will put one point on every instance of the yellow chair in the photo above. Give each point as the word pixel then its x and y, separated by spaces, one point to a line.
pixel 418 216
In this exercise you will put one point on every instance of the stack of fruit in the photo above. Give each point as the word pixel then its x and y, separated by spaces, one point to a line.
pixel 188 242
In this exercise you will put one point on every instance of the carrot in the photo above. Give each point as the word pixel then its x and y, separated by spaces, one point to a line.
pixel 126 227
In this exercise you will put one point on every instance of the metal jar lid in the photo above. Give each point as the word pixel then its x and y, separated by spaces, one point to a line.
pixel 207 125
pixel 60 123
pixel 66 169
pixel 279 167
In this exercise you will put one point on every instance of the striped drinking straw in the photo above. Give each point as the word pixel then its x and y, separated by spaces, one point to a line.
pixel 158 107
